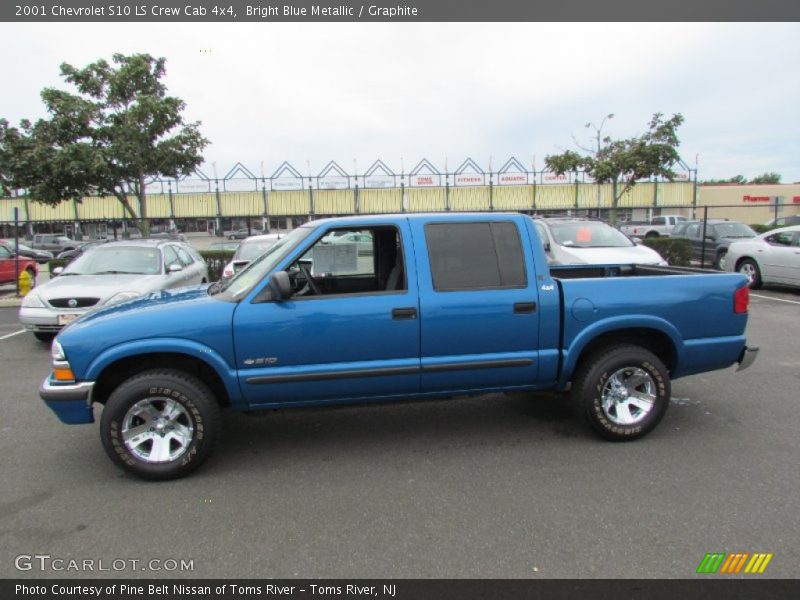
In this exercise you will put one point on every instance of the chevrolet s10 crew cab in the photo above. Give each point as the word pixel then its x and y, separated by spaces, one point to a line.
pixel 444 305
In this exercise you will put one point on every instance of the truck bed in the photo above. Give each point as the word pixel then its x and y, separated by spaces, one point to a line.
pixel 603 271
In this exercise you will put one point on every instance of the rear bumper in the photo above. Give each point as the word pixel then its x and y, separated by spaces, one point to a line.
pixel 747 358
pixel 71 402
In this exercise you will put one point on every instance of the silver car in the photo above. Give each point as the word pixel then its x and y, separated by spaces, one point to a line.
pixel 575 241
pixel 108 274
pixel 772 257
pixel 250 249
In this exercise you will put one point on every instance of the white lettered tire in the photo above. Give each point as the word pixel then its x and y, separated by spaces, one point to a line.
pixel 160 424
pixel 623 393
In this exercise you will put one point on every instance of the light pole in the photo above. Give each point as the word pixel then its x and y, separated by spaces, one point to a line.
pixel 598 137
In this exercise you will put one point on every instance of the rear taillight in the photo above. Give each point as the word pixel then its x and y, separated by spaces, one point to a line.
pixel 741 300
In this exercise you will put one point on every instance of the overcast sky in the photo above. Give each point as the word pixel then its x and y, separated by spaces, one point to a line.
pixel 268 92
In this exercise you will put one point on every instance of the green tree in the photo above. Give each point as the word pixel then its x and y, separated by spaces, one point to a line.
pixel 770 177
pixel 119 131
pixel 624 162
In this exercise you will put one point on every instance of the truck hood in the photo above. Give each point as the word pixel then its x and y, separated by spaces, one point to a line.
pixel 187 314
pixel 640 255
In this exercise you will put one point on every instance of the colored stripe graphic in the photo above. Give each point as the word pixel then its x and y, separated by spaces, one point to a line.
pixel 733 563
pixel 758 563
pixel 711 562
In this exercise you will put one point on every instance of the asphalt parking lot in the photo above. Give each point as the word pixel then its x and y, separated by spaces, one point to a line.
pixel 493 486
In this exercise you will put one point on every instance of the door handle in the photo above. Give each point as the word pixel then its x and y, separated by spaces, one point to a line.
pixel 524 308
pixel 404 314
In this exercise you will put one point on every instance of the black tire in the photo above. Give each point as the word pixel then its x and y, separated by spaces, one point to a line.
pixel 199 415
pixel 44 336
pixel 593 397
pixel 652 234
pixel 749 268
pixel 231 237
pixel 719 261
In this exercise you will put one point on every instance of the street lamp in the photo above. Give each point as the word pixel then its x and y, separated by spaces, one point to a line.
pixel 598 137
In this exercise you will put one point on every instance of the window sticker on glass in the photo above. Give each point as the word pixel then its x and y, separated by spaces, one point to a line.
pixel 335 258
pixel 584 235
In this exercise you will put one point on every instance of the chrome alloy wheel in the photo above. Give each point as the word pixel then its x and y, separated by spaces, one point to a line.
pixel 628 396
pixel 748 270
pixel 157 430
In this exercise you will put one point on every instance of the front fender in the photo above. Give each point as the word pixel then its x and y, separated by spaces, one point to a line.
pixel 594 330
pixel 169 345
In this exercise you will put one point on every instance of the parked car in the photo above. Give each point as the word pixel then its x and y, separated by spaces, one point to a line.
pixel 571 241
pixel 71 254
pixel 40 256
pixel 772 257
pixel 8 269
pixel 453 304
pixel 108 274
pixel 720 233
pixel 54 242
pixel 249 249
pixel 241 234
pixel 224 246
pixel 362 239
pixel 661 225
pixel 783 221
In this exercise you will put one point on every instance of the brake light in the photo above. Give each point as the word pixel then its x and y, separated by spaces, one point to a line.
pixel 741 300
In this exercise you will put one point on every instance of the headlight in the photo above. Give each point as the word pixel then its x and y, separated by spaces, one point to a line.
pixel 121 297
pixel 56 351
pixel 32 300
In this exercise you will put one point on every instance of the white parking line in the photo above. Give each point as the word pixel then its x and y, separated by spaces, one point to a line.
pixel 4 337
pixel 765 298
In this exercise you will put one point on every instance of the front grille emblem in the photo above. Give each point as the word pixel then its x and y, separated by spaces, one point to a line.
pixel 72 303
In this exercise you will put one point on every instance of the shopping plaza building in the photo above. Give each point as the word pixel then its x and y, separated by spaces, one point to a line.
pixel 287 198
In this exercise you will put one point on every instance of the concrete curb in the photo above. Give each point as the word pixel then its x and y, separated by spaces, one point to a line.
pixel 10 301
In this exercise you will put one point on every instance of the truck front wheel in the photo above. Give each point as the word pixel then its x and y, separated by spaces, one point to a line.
pixel 160 424
pixel 622 393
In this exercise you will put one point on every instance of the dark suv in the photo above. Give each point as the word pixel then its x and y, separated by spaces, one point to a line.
pixel 720 233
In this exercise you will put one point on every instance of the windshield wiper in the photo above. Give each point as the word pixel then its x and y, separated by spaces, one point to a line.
pixel 116 273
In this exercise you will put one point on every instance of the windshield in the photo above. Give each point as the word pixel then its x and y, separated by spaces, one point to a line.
pixel 589 234
pixel 107 260
pixel 733 230
pixel 250 249
pixel 241 283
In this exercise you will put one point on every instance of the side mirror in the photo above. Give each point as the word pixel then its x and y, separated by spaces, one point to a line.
pixel 174 268
pixel 546 246
pixel 58 270
pixel 711 238
pixel 280 286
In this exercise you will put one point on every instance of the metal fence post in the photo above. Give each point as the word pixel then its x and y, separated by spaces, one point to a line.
pixel 703 241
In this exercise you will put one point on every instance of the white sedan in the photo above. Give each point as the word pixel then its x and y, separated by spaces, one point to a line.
pixel 108 274
pixel 772 257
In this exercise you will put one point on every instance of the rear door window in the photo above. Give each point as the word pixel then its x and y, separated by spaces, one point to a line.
pixel 474 256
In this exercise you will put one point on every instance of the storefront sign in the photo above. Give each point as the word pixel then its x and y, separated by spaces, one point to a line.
pixel 756 198
pixel 512 178
pixel 424 180
pixel 469 179
pixel 285 184
pixel 379 181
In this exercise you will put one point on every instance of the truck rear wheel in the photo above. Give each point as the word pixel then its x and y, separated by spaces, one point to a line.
pixel 160 424
pixel 622 393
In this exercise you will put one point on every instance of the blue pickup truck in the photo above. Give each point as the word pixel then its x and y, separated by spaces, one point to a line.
pixel 443 305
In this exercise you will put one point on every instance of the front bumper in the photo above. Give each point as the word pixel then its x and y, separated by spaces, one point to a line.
pixel 72 402
pixel 747 358
pixel 46 319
